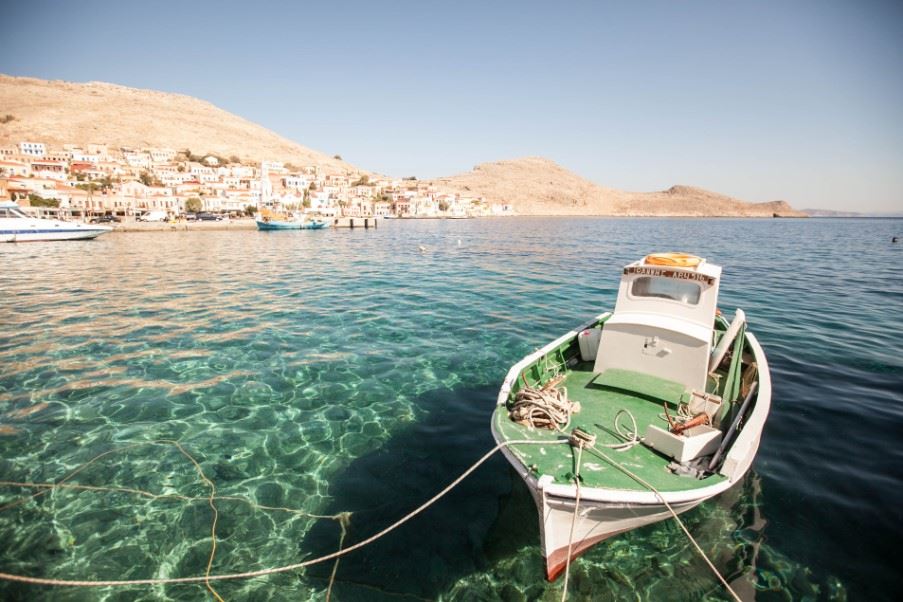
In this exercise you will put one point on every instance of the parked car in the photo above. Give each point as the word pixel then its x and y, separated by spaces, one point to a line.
pixel 209 217
pixel 191 216
pixel 153 216
pixel 103 219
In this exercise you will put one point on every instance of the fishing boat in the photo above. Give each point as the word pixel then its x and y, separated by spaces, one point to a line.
pixel 639 414
pixel 270 220
pixel 270 217
pixel 17 226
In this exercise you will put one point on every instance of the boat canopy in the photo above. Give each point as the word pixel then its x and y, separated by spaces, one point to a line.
pixel 664 319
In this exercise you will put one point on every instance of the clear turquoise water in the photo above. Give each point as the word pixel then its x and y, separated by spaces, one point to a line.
pixel 347 371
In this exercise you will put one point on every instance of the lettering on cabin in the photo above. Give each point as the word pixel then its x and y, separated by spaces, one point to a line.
pixel 676 274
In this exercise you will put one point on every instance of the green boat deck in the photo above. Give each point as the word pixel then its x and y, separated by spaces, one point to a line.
pixel 601 399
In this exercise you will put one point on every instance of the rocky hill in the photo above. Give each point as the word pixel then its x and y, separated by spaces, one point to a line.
pixel 537 186
pixel 58 112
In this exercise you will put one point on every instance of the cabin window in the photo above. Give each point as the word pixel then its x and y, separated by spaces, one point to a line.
pixel 666 288
pixel 10 213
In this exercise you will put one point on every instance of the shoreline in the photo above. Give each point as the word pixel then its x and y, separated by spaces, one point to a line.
pixel 135 226
pixel 250 224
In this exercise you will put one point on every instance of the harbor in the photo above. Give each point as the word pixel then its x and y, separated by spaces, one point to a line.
pixel 247 223
pixel 452 302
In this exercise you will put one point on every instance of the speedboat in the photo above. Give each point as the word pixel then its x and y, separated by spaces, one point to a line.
pixel 637 415
pixel 16 226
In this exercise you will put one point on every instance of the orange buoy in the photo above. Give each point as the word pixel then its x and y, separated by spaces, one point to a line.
pixel 681 260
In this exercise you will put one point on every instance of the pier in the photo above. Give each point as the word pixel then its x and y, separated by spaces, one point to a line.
pixel 355 222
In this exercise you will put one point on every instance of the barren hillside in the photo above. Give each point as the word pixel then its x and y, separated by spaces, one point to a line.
pixel 537 186
pixel 57 112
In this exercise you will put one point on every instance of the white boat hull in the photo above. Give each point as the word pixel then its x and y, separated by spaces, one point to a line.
pixel 49 230
pixel 595 522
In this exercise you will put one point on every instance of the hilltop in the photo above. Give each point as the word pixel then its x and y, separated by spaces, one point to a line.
pixel 538 186
pixel 58 112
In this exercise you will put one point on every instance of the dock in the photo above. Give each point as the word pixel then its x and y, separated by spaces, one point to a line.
pixel 354 222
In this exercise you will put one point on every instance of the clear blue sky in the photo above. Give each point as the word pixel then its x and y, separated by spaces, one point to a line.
pixel 801 101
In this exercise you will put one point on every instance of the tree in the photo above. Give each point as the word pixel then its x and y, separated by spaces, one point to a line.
pixel 193 205
pixel 364 180
pixel 250 210
pixel 106 183
pixel 36 200
pixel 146 179
pixel 234 159
pixel 443 206
pixel 339 157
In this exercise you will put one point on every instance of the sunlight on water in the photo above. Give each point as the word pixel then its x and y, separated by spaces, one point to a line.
pixel 314 373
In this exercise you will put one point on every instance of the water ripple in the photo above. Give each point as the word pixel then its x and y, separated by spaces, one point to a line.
pixel 339 370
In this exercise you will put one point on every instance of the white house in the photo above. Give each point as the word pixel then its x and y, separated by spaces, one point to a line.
pixel 161 155
pixel 32 149
pixel 137 159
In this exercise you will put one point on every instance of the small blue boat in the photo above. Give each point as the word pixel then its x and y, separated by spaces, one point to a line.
pixel 275 224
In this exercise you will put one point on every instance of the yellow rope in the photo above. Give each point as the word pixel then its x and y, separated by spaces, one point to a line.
pixel 212 486
pixel 343 522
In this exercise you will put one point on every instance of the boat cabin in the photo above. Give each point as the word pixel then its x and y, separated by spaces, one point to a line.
pixel 10 209
pixel 663 322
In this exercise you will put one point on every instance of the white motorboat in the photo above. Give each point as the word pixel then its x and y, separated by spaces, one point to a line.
pixel 638 415
pixel 17 226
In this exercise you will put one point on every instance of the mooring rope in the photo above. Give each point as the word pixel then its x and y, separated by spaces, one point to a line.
pixel 342 517
pixel 343 522
pixel 567 563
pixel 673 514
pixel 282 569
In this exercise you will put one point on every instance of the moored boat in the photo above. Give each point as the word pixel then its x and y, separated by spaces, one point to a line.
pixel 269 220
pixel 17 226
pixel 639 414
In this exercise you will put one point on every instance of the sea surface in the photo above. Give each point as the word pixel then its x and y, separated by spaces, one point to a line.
pixel 322 384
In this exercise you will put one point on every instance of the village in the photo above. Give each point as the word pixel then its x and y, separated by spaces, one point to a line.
pixel 94 181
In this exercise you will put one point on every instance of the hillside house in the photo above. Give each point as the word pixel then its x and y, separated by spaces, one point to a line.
pixel 44 168
pixel 32 149
pixel 15 169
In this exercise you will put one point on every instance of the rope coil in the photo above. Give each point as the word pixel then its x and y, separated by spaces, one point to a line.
pixel 547 408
